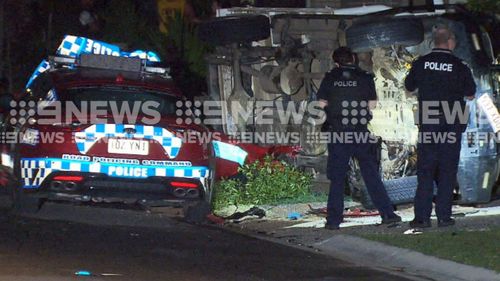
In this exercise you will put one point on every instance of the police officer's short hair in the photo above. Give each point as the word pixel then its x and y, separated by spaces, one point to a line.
pixel 442 34
pixel 343 55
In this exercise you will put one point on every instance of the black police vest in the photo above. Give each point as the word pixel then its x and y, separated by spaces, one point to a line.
pixel 442 81
pixel 347 108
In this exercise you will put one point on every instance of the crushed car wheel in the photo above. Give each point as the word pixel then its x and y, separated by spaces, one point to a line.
pixel 232 29
pixel 364 36
pixel 400 191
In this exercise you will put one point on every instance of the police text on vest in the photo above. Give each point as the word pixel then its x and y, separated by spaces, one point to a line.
pixel 349 83
pixel 438 66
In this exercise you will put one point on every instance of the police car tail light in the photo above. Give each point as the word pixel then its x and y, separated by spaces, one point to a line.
pixel 180 184
pixel 68 178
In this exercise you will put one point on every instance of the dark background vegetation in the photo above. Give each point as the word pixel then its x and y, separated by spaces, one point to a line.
pixel 30 30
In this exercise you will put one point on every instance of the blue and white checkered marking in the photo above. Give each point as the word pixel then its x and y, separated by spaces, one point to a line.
pixel 74 46
pixel 71 46
pixel 87 138
pixel 41 68
pixel 35 170
pixel 51 95
pixel 150 56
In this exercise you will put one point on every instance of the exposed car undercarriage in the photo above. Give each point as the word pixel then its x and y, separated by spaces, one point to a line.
pixel 290 65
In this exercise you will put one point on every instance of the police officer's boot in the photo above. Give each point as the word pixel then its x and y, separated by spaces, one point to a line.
pixel 420 223
pixel 444 223
pixel 391 219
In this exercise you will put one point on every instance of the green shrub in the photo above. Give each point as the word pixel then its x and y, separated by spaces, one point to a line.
pixel 266 182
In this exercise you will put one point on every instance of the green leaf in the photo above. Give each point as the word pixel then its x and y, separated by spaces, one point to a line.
pixel 268 182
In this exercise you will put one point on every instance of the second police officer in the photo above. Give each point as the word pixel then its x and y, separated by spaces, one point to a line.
pixel 442 81
pixel 347 94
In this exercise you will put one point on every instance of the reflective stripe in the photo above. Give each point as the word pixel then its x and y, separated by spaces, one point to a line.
pixel 34 171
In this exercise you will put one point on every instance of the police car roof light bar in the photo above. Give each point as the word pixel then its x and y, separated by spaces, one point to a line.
pixel 132 64
pixel 65 60
pixel 72 48
pixel 111 62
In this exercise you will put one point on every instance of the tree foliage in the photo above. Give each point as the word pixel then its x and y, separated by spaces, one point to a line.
pixel 124 24
pixel 186 54
pixel 484 6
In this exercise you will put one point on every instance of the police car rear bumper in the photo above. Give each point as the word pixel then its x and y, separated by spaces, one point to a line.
pixel 34 171
pixel 115 197
pixel 101 188
pixel 40 173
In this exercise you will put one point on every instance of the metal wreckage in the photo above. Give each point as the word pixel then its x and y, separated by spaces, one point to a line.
pixel 281 55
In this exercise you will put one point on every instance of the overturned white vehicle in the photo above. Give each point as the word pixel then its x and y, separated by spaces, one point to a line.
pixel 281 55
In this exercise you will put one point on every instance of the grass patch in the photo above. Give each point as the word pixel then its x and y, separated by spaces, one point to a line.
pixel 479 248
pixel 266 182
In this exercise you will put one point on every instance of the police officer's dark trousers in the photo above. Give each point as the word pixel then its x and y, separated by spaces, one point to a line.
pixel 339 155
pixel 437 161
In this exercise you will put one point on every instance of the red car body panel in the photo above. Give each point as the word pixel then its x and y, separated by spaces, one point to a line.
pixel 197 153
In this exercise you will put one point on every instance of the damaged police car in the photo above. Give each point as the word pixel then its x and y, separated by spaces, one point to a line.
pixel 101 125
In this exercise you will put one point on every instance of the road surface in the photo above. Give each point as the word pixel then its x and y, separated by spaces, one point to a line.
pixel 37 250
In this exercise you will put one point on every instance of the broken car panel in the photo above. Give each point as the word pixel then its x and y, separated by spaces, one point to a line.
pixel 289 64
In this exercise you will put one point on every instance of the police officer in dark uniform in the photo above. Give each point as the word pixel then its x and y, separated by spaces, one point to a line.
pixel 347 94
pixel 442 81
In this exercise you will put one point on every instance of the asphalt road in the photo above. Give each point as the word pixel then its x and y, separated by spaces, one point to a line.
pixel 38 250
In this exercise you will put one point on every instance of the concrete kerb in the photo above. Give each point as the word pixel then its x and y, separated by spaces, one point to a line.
pixel 375 254
pixel 319 251
pixel 398 261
